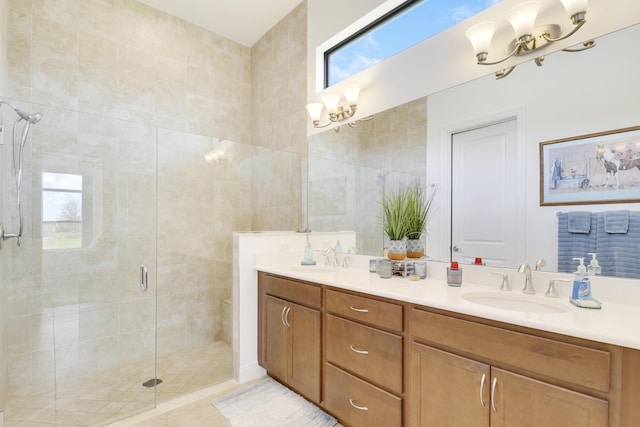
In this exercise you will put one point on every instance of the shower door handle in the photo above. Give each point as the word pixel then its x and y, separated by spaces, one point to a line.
pixel 144 284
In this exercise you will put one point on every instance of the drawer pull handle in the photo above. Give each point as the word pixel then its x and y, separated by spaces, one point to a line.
pixel 356 350
pixel 493 395
pixel 361 408
pixel 286 317
pixel 484 377
pixel 359 310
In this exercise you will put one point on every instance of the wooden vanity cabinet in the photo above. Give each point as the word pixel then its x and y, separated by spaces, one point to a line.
pixel 289 338
pixel 466 373
pixel 363 373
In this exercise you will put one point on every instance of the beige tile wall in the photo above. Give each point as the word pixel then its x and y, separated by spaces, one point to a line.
pixel 347 170
pixel 121 85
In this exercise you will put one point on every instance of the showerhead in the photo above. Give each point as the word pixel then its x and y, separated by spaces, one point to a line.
pixel 31 118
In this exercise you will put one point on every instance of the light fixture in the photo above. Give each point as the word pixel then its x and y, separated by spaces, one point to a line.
pixel 337 112
pixel 529 38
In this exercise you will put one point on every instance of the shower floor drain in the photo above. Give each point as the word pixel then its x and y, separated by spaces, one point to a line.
pixel 152 382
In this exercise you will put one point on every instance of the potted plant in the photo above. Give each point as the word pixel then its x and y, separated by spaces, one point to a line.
pixel 394 222
pixel 418 207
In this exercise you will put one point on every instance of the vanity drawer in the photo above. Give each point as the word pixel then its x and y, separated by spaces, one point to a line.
pixel 583 366
pixel 357 403
pixel 292 290
pixel 378 313
pixel 371 353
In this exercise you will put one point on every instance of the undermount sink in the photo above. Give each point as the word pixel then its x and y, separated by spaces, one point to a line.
pixel 315 268
pixel 515 302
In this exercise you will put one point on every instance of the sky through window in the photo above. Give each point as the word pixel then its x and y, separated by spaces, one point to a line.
pixel 412 25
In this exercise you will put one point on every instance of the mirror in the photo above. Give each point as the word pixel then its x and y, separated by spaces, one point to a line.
pixel 347 169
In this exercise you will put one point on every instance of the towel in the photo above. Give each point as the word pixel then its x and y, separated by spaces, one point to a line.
pixel 579 222
pixel 618 252
pixel 616 222
pixel 574 245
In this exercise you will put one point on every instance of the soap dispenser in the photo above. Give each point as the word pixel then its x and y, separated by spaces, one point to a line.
pixel 308 254
pixel 581 282
pixel 338 247
pixel 594 268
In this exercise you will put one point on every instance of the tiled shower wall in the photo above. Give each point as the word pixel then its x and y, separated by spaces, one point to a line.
pixel 115 80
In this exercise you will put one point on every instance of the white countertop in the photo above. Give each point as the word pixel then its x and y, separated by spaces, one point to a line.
pixel 616 323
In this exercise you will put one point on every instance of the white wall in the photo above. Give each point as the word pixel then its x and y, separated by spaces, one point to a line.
pixel 572 94
pixel 442 61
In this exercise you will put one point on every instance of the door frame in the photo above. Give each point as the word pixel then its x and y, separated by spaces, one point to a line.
pixel 440 232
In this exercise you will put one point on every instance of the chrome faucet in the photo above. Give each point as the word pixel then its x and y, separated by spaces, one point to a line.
pixel 328 254
pixel 540 264
pixel 551 291
pixel 528 284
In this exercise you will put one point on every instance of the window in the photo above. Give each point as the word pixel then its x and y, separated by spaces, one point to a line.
pixel 61 211
pixel 410 23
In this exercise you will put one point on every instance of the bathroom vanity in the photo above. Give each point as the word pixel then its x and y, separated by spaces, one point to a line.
pixel 395 352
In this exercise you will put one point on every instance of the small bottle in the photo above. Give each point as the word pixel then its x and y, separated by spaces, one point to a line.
pixel 594 268
pixel 308 255
pixel 338 247
pixel 454 274
pixel 478 261
pixel 581 282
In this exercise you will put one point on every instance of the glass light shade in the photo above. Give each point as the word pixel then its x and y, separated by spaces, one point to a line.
pixel 480 36
pixel 575 6
pixel 331 101
pixel 351 94
pixel 523 17
pixel 315 110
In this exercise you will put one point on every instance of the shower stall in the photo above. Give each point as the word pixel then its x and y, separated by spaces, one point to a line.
pixel 118 296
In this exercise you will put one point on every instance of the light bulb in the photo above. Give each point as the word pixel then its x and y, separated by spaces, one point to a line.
pixel 523 17
pixel 331 101
pixel 315 111
pixel 480 36
pixel 574 6
pixel 351 95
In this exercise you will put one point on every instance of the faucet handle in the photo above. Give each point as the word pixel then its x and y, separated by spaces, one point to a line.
pixel 551 291
pixel 505 281
pixel 345 262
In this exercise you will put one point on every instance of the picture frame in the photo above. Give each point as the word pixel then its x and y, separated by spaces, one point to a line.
pixel 596 168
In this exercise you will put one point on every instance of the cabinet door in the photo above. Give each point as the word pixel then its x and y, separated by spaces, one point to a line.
pixel 447 390
pixel 304 373
pixel 523 402
pixel 276 340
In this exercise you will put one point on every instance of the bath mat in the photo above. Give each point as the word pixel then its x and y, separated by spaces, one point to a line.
pixel 268 403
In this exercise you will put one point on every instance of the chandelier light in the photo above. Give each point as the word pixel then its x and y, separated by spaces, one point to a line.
pixel 529 38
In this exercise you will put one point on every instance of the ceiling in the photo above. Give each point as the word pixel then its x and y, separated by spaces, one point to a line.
pixel 243 21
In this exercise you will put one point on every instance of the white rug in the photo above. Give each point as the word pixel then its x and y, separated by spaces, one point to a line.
pixel 269 404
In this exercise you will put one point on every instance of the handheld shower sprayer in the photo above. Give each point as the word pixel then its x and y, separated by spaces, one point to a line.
pixel 29 119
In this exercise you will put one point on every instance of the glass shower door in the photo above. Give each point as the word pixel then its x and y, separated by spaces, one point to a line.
pixel 82 331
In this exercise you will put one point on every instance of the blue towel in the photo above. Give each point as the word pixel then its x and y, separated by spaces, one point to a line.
pixel 579 222
pixel 618 252
pixel 574 245
pixel 616 222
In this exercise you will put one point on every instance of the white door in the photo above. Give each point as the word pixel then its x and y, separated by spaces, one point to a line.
pixel 487 203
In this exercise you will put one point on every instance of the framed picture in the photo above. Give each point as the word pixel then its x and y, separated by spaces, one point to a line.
pixel 597 168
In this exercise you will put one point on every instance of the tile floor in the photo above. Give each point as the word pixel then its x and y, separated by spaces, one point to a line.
pixel 112 395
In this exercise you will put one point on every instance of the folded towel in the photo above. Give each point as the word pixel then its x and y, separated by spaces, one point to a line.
pixel 579 222
pixel 616 222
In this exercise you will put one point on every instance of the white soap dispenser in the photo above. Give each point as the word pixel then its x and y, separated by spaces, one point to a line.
pixel 594 268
